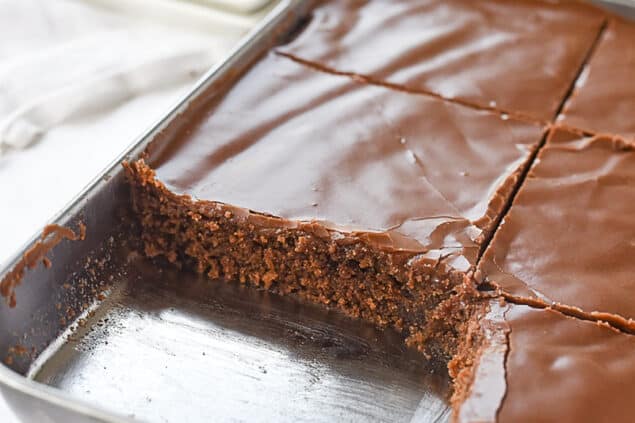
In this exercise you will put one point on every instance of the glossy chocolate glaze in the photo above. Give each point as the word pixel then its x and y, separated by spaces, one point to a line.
pixel 569 236
pixel 290 144
pixel 604 98
pixel 552 357
pixel 519 56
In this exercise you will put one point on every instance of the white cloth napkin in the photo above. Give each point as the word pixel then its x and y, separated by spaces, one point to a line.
pixel 88 70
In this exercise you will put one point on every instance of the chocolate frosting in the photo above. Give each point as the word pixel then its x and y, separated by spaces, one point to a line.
pixel 557 368
pixel 552 356
pixel 604 98
pixel 289 144
pixel 520 56
pixel 569 237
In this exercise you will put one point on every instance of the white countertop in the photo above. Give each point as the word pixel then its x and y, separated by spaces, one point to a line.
pixel 82 83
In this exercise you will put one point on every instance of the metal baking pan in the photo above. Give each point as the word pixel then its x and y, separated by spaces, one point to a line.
pixel 105 335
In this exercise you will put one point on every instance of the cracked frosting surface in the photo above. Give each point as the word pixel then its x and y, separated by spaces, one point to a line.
pixel 290 146
pixel 552 356
pixel 302 145
pixel 569 236
pixel 604 98
pixel 519 56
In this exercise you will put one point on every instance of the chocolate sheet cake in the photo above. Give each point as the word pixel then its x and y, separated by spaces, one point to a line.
pixel 402 162
pixel 563 258
pixel 556 368
pixel 518 56
pixel 605 94
pixel 341 192
pixel 568 239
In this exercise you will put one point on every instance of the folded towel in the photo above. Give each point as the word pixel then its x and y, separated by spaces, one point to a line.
pixel 87 69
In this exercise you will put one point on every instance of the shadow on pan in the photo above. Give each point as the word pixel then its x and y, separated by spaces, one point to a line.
pixel 172 346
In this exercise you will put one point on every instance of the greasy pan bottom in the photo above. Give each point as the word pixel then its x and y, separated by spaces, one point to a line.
pixel 172 346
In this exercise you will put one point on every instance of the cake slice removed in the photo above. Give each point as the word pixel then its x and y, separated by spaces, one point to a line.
pixel 372 201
